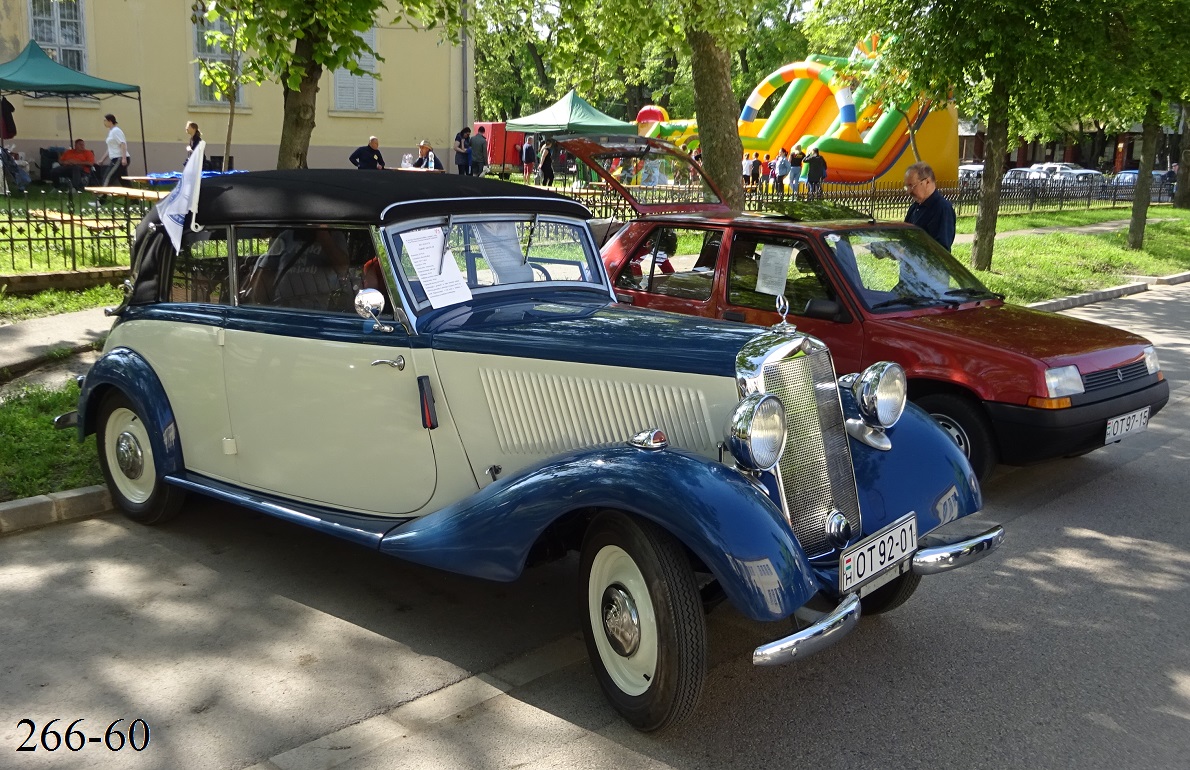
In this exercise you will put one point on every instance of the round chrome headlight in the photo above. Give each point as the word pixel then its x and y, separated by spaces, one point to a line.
pixel 756 432
pixel 880 392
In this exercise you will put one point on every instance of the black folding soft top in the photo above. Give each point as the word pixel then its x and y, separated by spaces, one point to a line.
pixel 313 196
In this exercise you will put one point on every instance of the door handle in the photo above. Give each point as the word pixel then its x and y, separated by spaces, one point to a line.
pixel 733 315
pixel 399 364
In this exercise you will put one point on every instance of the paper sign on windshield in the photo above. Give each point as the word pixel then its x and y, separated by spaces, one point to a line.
pixel 774 269
pixel 436 267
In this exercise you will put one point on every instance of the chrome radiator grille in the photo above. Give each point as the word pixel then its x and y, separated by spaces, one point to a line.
pixel 815 472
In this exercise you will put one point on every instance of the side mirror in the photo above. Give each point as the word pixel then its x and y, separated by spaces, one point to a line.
pixel 369 303
pixel 824 309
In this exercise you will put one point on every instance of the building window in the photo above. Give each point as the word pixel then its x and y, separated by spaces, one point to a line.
pixel 58 28
pixel 358 92
pixel 211 53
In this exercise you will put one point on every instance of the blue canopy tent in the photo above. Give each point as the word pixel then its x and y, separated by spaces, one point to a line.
pixel 33 73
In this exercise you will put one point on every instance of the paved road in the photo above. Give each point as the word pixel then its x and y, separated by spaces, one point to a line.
pixel 243 641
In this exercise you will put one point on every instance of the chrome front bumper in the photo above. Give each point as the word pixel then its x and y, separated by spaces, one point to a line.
pixel 948 556
pixel 833 626
pixel 827 630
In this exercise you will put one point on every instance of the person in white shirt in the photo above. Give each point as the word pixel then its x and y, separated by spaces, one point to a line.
pixel 117 152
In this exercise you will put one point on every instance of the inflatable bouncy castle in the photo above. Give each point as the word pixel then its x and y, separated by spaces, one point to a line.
pixel 861 139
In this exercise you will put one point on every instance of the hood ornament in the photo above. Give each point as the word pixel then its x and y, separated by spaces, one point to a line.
pixel 783 326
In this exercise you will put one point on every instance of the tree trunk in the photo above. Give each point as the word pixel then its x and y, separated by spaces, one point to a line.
pixel 231 120
pixel 543 76
pixel 995 146
pixel 1151 127
pixel 298 121
pixel 669 74
pixel 1181 199
pixel 717 110
pixel 912 135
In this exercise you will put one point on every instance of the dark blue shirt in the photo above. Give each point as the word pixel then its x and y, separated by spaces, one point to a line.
pixel 366 157
pixel 936 216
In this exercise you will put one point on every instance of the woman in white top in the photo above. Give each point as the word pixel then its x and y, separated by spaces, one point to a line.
pixel 117 152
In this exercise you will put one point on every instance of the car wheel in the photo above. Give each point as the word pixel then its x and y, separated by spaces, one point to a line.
pixel 964 422
pixel 126 458
pixel 644 625
pixel 890 595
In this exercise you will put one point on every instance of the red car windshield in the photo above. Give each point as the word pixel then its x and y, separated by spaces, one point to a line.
pixel 899 268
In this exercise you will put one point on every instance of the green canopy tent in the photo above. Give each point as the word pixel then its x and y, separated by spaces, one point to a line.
pixel 34 73
pixel 570 115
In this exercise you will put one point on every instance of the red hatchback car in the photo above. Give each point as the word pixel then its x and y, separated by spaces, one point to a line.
pixel 1009 384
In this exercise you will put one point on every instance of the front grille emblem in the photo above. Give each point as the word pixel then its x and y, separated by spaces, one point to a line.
pixel 1120 374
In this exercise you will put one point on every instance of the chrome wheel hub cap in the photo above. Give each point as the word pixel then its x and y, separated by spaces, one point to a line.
pixel 129 456
pixel 621 623
pixel 957 434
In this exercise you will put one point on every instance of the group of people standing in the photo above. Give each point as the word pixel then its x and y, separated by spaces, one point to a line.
pixel 769 174
pixel 537 159
pixel 471 154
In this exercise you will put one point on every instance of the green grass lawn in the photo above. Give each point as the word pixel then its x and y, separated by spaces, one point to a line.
pixel 55 301
pixel 1008 222
pixel 1031 268
pixel 34 457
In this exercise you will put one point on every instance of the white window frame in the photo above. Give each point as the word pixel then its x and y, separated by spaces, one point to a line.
pixel 56 46
pixel 204 94
pixel 357 93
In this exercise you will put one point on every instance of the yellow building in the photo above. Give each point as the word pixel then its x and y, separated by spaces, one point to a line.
pixel 425 90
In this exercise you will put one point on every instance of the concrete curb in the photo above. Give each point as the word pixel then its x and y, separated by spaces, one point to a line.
pixel 43 510
pixel 1090 297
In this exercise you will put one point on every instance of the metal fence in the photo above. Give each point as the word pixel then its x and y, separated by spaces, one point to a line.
pixel 890 202
pixel 50 230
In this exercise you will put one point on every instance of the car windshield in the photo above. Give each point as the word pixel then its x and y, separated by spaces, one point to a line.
pixel 894 269
pixel 445 262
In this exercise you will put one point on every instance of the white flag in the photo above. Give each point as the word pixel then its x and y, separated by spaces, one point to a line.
pixel 184 198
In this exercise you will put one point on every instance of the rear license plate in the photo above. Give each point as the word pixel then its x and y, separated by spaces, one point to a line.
pixel 1125 424
pixel 876 554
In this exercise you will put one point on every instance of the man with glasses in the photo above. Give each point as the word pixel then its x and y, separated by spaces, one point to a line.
pixel 929 210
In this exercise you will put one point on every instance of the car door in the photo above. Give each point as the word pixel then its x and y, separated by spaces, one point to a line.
pixel 760 265
pixel 323 407
pixel 672 268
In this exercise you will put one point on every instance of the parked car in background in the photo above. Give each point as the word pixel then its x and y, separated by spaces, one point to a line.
pixel 1052 167
pixel 1081 180
pixel 1008 383
pixel 435 367
pixel 970 175
pixel 1024 179
pixel 1122 186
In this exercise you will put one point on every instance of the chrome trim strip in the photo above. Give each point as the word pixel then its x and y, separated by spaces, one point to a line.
pixel 526 198
pixel 943 558
pixel 828 630
pixel 68 420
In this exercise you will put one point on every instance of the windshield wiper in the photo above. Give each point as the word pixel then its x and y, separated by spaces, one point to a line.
pixel 915 301
pixel 971 293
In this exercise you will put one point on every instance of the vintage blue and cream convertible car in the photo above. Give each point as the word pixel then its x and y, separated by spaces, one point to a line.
pixel 436 367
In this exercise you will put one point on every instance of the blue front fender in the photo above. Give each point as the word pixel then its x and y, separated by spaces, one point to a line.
pixel 125 370
pixel 924 472
pixel 727 522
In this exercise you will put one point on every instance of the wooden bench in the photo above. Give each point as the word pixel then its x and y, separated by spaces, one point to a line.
pixel 93 224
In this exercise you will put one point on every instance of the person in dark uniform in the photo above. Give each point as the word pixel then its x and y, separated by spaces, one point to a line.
pixel 929 210
pixel 368 157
